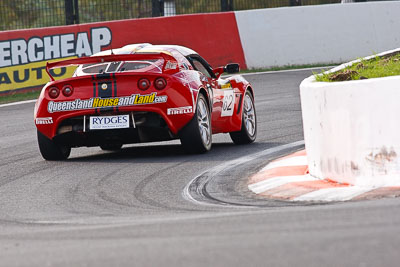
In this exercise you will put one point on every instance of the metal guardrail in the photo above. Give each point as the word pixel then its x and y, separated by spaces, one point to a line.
pixel 20 14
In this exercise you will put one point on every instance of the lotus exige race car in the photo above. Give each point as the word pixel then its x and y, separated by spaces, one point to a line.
pixel 143 93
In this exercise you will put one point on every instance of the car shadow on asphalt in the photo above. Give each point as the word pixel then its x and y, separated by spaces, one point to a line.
pixel 172 153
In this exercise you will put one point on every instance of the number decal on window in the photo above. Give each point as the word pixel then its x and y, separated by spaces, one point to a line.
pixel 228 103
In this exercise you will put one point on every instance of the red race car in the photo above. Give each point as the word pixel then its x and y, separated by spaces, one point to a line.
pixel 143 93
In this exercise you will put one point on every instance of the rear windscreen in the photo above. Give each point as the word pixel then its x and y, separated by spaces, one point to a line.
pixel 154 66
pixel 94 68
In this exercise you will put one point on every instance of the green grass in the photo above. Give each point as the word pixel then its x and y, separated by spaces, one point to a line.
pixel 376 67
pixel 15 97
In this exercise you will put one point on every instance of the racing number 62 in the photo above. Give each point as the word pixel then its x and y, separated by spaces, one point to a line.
pixel 227 103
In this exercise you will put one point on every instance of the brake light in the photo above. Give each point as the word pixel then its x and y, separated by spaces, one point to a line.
pixel 54 92
pixel 67 90
pixel 143 84
pixel 160 83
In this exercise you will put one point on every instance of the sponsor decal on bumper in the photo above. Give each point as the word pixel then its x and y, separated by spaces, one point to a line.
pixel 47 120
pixel 180 110
pixel 97 102
pixel 109 122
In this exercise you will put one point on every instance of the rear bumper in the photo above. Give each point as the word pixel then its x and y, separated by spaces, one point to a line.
pixel 52 122
pixel 143 127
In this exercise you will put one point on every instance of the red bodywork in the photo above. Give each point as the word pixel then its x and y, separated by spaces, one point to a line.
pixel 120 94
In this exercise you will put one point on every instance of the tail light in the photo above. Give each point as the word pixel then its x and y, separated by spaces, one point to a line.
pixel 143 84
pixel 54 92
pixel 67 90
pixel 160 83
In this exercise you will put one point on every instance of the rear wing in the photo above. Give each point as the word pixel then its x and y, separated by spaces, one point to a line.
pixel 170 65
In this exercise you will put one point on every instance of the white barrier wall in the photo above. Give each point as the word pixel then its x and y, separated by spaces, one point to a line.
pixel 318 34
pixel 352 130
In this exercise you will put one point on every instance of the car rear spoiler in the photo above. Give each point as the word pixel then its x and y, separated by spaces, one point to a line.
pixel 170 63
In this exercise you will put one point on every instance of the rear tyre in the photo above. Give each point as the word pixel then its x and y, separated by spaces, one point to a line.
pixel 196 136
pixel 248 132
pixel 51 150
pixel 111 147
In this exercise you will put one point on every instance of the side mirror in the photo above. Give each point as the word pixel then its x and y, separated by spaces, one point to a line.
pixel 229 68
pixel 218 72
pixel 232 68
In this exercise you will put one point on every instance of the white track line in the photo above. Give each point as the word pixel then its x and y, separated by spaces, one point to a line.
pixel 279 181
pixel 280 71
pixel 289 162
pixel 284 71
pixel 334 194
pixel 18 103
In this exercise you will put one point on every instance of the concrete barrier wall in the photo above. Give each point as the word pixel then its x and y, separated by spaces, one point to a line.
pixel 318 34
pixel 351 130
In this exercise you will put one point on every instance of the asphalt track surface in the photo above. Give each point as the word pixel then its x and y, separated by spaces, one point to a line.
pixel 135 208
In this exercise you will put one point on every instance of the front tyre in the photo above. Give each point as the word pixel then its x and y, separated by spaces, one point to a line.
pixel 248 132
pixel 51 150
pixel 196 135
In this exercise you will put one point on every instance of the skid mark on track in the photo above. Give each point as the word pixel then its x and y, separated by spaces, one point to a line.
pixel 139 190
pixel 196 191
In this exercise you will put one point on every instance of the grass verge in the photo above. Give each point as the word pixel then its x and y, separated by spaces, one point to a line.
pixel 376 67
pixel 20 96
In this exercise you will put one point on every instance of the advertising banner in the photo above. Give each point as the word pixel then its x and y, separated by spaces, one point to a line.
pixel 24 53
